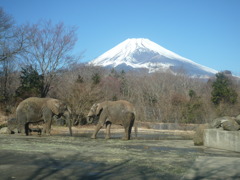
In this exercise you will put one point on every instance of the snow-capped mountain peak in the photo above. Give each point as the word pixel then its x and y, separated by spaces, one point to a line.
pixel 143 53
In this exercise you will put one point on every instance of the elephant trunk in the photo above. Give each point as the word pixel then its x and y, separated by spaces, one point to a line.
pixel 67 116
pixel 89 119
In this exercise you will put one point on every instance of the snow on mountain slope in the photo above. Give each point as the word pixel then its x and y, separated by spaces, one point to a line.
pixel 145 54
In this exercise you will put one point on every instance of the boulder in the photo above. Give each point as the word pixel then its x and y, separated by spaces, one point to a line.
pixel 198 136
pixel 227 123
pixel 238 119
pixel 216 123
pixel 230 125
pixel 4 130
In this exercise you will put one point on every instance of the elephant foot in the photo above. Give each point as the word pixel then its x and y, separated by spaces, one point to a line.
pixel 107 137
pixel 125 138
pixel 93 137
pixel 46 134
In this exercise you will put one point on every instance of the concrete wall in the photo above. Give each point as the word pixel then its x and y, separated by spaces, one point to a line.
pixel 217 138
pixel 168 126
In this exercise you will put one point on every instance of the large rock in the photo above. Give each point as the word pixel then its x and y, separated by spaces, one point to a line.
pixel 238 119
pixel 198 136
pixel 227 123
pixel 4 130
pixel 216 123
pixel 230 125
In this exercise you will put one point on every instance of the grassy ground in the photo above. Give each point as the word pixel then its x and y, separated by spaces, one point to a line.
pixel 153 154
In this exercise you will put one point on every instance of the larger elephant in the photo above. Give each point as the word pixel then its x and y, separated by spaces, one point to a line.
pixel 34 110
pixel 113 112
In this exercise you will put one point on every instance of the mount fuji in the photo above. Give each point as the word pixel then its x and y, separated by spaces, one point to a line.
pixel 141 53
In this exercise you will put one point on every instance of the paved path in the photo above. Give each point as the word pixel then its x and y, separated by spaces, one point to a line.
pixel 218 168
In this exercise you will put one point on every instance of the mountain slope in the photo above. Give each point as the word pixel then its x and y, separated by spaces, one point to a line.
pixel 145 54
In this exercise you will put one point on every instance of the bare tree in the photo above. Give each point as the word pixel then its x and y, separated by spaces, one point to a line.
pixel 49 48
pixel 12 38
pixel 7 80
pixel 12 43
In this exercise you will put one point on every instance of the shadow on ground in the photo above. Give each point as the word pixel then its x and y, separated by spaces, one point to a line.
pixel 79 157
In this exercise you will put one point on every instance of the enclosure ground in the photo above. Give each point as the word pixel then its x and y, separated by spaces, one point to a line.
pixel 154 154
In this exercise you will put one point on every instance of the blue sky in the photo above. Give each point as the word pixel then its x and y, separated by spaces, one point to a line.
pixel 205 31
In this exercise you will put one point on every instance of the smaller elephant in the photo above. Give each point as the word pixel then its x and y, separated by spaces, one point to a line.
pixel 38 130
pixel 113 112
pixel 34 110
pixel 35 128
pixel 12 125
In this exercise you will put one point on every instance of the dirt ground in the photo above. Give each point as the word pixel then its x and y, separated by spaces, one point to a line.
pixel 154 154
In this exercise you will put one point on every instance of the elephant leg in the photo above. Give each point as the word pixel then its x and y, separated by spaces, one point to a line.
pixel 98 127
pixel 44 128
pixel 128 126
pixel 128 131
pixel 27 129
pixel 102 119
pixel 22 119
pixel 127 135
pixel 47 125
pixel 108 126
pixel 21 129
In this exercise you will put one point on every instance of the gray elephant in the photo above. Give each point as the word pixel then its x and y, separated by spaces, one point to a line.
pixel 38 130
pixel 12 125
pixel 34 110
pixel 113 112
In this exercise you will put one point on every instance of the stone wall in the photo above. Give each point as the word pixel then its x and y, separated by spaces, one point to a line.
pixel 167 126
pixel 217 138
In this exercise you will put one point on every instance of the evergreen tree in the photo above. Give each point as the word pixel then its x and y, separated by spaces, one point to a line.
pixel 31 83
pixel 193 113
pixel 222 90
pixel 96 78
pixel 192 94
pixel 80 79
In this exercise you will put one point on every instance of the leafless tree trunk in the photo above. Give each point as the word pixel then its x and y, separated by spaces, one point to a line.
pixel 12 43
pixel 12 38
pixel 49 48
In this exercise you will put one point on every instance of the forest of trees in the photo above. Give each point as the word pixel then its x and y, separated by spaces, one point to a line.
pixel 37 60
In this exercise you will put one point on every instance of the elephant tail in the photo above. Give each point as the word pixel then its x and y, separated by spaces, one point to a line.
pixel 135 126
pixel 135 129
pixel 70 127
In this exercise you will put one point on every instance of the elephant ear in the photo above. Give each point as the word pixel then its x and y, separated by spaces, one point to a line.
pixel 54 105
pixel 93 110
pixel 99 109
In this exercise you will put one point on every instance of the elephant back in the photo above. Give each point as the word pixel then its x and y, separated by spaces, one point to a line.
pixel 127 105
pixel 122 105
pixel 115 107
pixel 32 102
